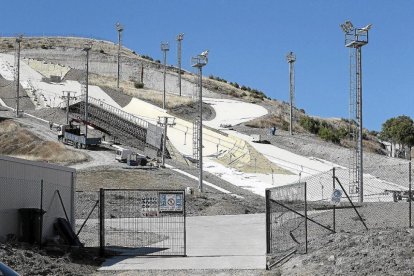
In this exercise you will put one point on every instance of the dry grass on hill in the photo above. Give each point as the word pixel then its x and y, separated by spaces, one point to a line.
pixel 19 142
pixel 152 96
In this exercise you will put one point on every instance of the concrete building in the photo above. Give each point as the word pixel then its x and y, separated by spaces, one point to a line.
pixel 21 187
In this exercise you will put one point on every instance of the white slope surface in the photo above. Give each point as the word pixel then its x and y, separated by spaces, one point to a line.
pixel 233 112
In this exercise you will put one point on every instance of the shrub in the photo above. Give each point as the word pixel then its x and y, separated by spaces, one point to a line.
pixel 44 47
pixel 138 85
pixel 328 134
pixel 310 124
pixel 102 51
pixel 285 125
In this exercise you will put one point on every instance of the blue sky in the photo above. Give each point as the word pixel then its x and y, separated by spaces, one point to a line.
pixel 249 39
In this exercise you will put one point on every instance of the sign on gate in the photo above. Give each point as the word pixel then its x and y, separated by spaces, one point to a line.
pixel 149 205
pixel 171 202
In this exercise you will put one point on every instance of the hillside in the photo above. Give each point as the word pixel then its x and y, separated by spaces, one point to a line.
pixel 237 170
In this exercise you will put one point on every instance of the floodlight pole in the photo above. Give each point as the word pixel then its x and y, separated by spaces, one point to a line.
pixel 119 28
pixel 200 61
pixel 355 39
pixel 291 58
pixel 86 49
pixel 17 76
pixel 68 97
pixel 180 38
pixel 165 123
pixel 164 47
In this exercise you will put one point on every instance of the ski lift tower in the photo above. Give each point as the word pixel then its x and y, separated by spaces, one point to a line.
pixel 355 39
pixel 198 62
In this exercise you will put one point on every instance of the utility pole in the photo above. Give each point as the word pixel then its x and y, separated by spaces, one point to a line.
pixel 180 38
pixel 119 28
pixel 87 49
pixel 68 97
pixel 164 47
pixel 355 39
pixel 17 74
pixel 199 61
pixel 291 58
pixel 165 122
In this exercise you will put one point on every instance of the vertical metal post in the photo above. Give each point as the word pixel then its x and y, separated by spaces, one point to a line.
pixel 291 58
pixel 410 195
pixel 142 73
pixel 164 47
pixel 67 108
pixel 200 136
pixel 268 221
pixel 334 207
pixel 86 92
pixel 185 227
pixel 119 28
pixel 164 141
pixel 18 41
pixel 306 218
pixel 102 222
pixel 179 41
pixel 360 150
pixel 41 215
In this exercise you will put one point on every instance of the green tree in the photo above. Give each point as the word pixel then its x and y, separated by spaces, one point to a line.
pixel 398 130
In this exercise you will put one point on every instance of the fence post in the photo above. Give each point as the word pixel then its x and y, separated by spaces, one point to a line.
pixel 306 219
pixel 41 215
pixel 102 222
pixel 268 234
pixel 185 226
pixel 334 207
pixel 410 196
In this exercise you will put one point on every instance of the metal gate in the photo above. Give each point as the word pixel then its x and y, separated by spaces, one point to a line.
pixel 142 222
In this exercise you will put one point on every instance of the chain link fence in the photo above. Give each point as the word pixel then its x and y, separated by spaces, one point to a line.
pixel 327 203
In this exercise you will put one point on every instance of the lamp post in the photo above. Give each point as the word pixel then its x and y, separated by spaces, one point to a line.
pixel 199 61
pixel 180 38
pixel 119 28
pixel 87 48
pixel 291 58
pixel 355 39
pixel 165 48
pixel 17 75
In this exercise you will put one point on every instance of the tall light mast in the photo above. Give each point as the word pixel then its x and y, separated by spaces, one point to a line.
pixel 199 62
pixel 119 28
pixel 164 48
pixel 291 58
pixel 180 38
pixel 355 39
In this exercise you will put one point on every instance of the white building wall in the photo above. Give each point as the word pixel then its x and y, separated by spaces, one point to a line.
pixel 20 187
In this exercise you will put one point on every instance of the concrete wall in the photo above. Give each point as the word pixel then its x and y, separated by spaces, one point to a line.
pixel 20 187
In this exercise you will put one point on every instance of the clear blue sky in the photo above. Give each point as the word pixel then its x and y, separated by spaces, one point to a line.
pixel 248 41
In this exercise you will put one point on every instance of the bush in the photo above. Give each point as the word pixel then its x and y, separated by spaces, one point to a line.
pixel 44 47
pixel 285 125
pixel 138 85
pixel 102 51
pixel 310 124
pixel 328 134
